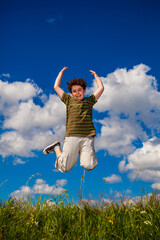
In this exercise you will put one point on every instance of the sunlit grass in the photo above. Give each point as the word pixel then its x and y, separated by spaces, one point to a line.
pixel 56 218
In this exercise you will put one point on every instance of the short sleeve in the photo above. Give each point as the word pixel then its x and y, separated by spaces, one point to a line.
pixel 65 98
pixel 92 99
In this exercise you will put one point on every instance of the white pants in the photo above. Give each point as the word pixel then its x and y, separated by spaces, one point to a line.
pixel 72 148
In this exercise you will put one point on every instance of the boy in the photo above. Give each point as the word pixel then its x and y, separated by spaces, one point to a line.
pixel 80 131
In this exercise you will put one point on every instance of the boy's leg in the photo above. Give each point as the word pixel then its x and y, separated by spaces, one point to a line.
pixel 58 152
pixel 69 157
pixel 88 159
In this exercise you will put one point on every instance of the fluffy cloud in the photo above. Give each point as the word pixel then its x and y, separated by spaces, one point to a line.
pixel 113 179
pixel 117 135
pixel 147 159
pixel 131 103
pixel 13 92
pixel 40 187
pixel 148 156
pixel 61 182
pixel 22 193
pixel 131 127
pixel 29 115
pixel 28 126
pixel 124 89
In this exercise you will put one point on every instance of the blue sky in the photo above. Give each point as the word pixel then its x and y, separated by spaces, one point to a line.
pixel 117 39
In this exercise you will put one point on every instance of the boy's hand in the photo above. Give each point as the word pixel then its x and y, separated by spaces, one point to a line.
pixel 93 73
pixel 64 69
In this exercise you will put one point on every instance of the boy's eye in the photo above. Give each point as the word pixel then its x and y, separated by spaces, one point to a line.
pixel 79 90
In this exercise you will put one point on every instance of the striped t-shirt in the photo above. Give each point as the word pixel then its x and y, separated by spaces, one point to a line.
pixel 79 116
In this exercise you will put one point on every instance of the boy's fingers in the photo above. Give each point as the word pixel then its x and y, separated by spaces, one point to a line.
pixel 64 68
pixel 92 72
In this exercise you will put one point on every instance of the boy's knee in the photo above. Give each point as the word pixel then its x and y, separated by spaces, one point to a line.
pixel 65 168
pixel 88 160
pixel 90 165
pixel 62 164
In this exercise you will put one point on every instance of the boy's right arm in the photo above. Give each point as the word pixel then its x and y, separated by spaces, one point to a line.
pixel 57 84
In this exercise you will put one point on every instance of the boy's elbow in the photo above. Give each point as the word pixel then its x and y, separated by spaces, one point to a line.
pixel 55 87
pixel 102 89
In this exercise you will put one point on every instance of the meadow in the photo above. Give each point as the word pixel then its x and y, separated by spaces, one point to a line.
pixel 57 218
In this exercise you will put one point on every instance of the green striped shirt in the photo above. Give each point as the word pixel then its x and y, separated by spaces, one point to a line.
pixel 79 116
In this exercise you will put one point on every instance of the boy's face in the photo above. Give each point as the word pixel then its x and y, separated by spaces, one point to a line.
pixel 78 92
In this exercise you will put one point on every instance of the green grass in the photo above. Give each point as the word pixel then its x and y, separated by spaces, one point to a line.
pixel 56 218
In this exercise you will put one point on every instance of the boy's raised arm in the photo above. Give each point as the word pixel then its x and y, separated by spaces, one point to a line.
pixel 57 84
pixel 100 87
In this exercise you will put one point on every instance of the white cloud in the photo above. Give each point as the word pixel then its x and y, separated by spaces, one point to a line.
pixel 22 193
pixel 131 103
pixel 147 159
pixel 113 179
pixel 18 161
pixel 117 135
pixel 124 89
pixel 61 182
pixel 156 186
pixel 13 92
pixel 28 126
pixel 40 187
pixel 29 115
pixel 148 156
pixel 16 143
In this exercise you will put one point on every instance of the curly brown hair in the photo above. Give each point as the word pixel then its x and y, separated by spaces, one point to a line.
pixel 77 81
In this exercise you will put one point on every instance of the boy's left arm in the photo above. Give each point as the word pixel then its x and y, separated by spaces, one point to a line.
pixel 100 87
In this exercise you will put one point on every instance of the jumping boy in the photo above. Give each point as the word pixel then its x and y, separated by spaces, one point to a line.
pixel 80 131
